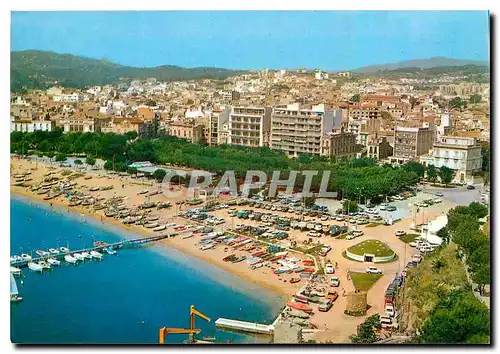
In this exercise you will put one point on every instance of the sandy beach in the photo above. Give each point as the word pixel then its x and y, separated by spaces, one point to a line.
pixel 332 326
pixel 129 188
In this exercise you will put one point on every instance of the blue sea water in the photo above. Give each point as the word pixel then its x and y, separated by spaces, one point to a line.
pixel 124 298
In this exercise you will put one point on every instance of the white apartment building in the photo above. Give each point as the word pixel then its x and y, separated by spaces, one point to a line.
pixel 296 130
pixel 69 97
pixel 249 126
pixel 30 126
pixel 458 153
pixel 219 120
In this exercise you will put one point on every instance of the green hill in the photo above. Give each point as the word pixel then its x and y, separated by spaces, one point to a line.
pixel 422 64
pixel 32 69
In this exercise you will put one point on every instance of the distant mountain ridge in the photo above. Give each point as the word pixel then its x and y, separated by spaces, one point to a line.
pixel 35 69
pixel 433 62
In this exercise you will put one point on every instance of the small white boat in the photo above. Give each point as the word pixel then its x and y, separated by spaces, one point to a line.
pixel 15 271
pixel 188 235
pixel 95 254
pixel 207 246
pixel 70 259
pixel 14 293
pixel 14 259
pixel 44 264
pixel 35 267
pixel 109 250
pixel 53 261
pixel 42 253
pixel 86 255
pixel 64 249
pixel 78 256
pixel 26 257
pixel 53 251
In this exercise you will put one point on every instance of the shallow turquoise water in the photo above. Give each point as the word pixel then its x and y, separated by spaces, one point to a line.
pixel 107 302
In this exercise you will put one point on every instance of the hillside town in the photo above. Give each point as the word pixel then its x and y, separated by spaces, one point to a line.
pixel 409 159
pixel 439 120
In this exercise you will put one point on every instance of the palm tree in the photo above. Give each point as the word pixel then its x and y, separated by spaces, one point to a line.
pixel 438 264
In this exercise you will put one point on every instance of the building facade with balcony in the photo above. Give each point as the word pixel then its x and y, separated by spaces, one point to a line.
pixel 339 145
pixel 189 130
pixel 296 130
pixel 461 154
pixel 249 126
pixel 217 121
pixel 410 143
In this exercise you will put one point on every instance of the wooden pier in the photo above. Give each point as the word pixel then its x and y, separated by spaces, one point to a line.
pixel 121 244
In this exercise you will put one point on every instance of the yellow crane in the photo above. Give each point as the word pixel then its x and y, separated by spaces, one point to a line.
pixel 194 312
pixel 164 331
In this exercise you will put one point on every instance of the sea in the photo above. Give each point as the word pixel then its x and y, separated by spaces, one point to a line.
pixel 125 298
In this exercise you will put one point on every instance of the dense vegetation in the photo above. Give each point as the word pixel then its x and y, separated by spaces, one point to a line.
pixel 355 179
pixel 444 309
pixel 33 69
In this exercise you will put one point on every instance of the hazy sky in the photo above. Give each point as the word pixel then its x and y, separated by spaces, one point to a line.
pixel 256 39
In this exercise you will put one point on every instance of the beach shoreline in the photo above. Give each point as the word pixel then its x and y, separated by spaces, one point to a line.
pixel 184 246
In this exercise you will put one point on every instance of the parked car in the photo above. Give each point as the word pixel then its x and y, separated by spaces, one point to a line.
pixel 335 281
pixel 439 194
pixel 325 305
pixel 470 186
pixel 329 268
pixel 373 270
pixel 358 233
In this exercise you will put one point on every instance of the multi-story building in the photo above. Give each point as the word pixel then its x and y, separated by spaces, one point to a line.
pixel 218 119
pixel 366 113
pixel 458 153
pixel 339 145
pixel 122 125
pixel 29 126
pixel 79 123
pixel 296 130
pixel 409 143
pixel 378 148
pixel 249 126
pixel 69 97
pixel 189 130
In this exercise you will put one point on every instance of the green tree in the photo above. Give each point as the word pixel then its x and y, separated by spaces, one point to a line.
pixel 356 97
pixel 78 162
pixel 431 174
pixel 457 102
pixel 108 165
pixel 475 99
pixel 446 174
pixel 350 205
pixel 132 170
pixel 309 201
pixel 90 160
pixel 458 318
pixel 438 264
pixel 60 157
pixel 366 333
pixel 416 167
pixel 478 210
pixel 159 174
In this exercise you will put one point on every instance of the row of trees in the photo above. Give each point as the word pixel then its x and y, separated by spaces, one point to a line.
pixel 459 318
pixel 463 228
pixel 358 178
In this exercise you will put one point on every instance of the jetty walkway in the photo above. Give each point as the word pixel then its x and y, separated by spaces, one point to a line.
pixel 121 244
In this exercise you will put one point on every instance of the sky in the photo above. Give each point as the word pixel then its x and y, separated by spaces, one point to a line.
pixel 329 40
